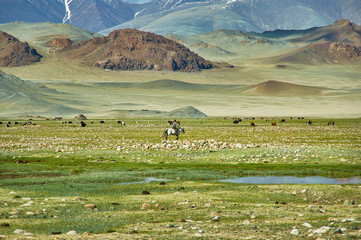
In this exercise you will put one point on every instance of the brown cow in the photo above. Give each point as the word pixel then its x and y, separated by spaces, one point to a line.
pixel 331 123
pixel 274 124
pixel 309 122
pixel 253 124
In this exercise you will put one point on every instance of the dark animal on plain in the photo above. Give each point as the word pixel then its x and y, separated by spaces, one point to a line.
pixel 70 122
pixel 253 118
pixel 1 122
pixel 274 124
pixel 7 125
pixel 82 124
pixel 16 123
pixel 331 123
pixel 253 124
pixel 91 122
pixel 102 122
pixel 309 122
pixel 9 122
pixel 235 122
pixel 121 122
pixel 283 120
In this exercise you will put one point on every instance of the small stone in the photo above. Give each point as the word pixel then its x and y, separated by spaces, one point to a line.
pixel 146 206
pixel 72 233
pixel 246 222
pixel 337 231
pixel 307 225
pixel 90 205
pixel 170 226
pixel 198 235
pixel 213 214
pixel 145 193
pixel 208 205
pixel 30 213
pixel 347 202
pixel 322 230
pixel 216 218
pixel 19 231
pixel 181 220
pixel 295 232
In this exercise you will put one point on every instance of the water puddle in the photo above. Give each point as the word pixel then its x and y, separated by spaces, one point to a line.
pixel 293 180
pixel 147 180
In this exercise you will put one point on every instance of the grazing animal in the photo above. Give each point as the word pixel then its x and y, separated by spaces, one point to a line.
pixel 331 123
pixel 1 122
pixel 171 122
pixel 309 122
pixel 274 124
pixel 121 122
pixel 283 120
pixel 171 131
pixel 70 122
pixel 102 122
pixel 235 122
pixel 253 124
pixel 83 124
pixel 7 125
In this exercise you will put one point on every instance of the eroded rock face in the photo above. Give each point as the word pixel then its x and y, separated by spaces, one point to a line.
pixel 59 43
pixel 14 53
pixel 131 49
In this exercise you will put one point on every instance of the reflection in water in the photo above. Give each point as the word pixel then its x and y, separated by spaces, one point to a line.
pixel 293 180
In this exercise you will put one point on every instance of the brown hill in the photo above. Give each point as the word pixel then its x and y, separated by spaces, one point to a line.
pixel 131 49
pixel 323 51
pixel 337 43
pixel 276 88
pixel 342 31
pixel 14 53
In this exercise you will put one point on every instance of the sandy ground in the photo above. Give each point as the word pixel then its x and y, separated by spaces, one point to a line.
pixel 341 96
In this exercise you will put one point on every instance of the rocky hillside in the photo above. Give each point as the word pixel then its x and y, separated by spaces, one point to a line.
pixel 130 49
pixel 337 43
pixel 14 53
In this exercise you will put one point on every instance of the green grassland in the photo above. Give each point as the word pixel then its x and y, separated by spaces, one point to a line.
pixel 57 177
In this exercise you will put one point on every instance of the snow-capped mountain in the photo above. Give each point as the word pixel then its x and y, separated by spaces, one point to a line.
pixel 183 16
pixel 93 15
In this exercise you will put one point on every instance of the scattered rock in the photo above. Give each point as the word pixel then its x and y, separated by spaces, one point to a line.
pixel 337 231
pixel 295 232
pixel 306 224
pixel 322 230
pixel 208 205
pixel 72 233
pixel 146 206
pixel 90 205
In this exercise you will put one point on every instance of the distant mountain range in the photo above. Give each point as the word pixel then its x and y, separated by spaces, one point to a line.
pixel 184 17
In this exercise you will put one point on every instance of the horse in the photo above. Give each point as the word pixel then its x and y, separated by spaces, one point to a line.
pixel 171 131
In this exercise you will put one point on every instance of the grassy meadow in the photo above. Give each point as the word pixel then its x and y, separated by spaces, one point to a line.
pixel 57 179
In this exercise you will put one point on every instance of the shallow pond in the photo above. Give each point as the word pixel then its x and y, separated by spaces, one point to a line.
pixel 147 180
pixel 293 180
